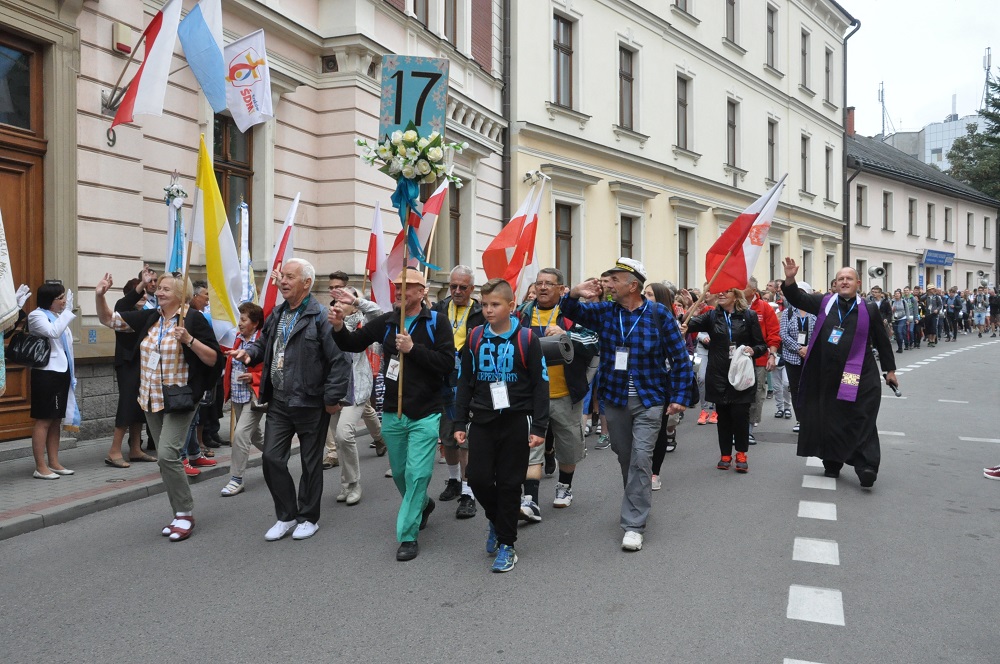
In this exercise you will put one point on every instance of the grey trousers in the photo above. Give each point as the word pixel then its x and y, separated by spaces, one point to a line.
pixel 248 432
pixel 633 432
pixel 170 432
pixel 760 395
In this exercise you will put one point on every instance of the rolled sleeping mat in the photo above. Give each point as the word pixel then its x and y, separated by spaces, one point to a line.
pixel 557 350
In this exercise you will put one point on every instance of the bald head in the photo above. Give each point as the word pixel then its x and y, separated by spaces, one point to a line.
pixel 847 282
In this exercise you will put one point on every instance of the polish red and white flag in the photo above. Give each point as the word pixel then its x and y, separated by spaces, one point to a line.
pixel 284 249
pixel 511 254
pixel 148 88
pixel 430 211
pixel 731 260
pixel 382 288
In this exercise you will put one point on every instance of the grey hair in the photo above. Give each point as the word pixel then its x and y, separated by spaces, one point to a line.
pixel 752 281
pixel 308 271
pixel 465 271
pixel 560 279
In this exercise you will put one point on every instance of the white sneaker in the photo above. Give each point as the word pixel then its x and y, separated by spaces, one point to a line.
pixel 232 488
pixel 657 484
pixel 342 496
pixel 632 541
pixel 279 530
pixel 529 510
pixel 305 530
pixel 564 495
pixel 388 473
pixel 354 495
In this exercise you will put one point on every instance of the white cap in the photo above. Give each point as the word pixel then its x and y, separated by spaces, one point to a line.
pixel 631 266
pixel 804 287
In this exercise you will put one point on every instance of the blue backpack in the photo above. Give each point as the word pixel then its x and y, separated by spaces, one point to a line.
pixel 431 324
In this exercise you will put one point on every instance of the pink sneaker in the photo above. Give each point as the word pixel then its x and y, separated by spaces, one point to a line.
pixel 991 473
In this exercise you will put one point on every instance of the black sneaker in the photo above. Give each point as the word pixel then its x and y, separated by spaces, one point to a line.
pixel 550 464
pixel 452 490
pixel 428 508
pixel 466 507
pixel 407 551
pixel 751 439
pixel 867 476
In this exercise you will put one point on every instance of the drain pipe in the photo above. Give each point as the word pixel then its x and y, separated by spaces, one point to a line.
pixel 505 111
pixel 847 183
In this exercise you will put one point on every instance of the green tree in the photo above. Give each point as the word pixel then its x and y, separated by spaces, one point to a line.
pixel 975 157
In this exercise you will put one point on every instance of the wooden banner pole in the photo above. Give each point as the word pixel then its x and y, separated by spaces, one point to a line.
pixel 704 293
pixel 402 311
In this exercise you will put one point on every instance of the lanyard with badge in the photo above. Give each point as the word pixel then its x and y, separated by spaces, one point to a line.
pixel 455 324
pixel 837 332
pixel 541 327
pixel 729 328
pixel 803 330
pixel 621 353
pixel 285 333
pixel 154 355
pixel 392 369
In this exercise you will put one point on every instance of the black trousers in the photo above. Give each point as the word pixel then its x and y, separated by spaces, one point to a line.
pixel 498 461
pixel 734 427
pixel 794 373
pixel 660 451
pixel 284 421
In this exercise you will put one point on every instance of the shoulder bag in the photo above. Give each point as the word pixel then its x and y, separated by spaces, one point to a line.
pixel 28 349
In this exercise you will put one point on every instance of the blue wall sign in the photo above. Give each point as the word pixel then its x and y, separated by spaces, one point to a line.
pixel 413 90
pixel 932 257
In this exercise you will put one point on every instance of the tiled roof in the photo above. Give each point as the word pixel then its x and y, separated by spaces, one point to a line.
pixel 876 156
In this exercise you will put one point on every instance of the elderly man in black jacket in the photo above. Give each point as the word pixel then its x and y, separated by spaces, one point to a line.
pixel 304 381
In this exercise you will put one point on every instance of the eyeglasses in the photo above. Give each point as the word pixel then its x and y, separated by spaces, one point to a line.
pixel 459 287
pixel 546 284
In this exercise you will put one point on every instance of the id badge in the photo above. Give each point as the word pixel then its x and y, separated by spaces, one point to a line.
pixel 802 338
pixel 392 370
pixel 458 362
pixel 498 391
pixel 732 350
pixel 835 335
pixel 153 361
pixel 621 359
pixel 280 362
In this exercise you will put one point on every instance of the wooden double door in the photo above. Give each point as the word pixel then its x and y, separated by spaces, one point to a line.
pixel 22 182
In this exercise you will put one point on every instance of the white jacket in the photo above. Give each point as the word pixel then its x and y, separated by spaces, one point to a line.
pixel 39 324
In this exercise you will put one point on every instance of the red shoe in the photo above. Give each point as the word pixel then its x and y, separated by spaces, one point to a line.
pixel 703 418
pixel 203 462
pixel 191 472
pixel 179 534
pixel 724 463
pixel 741 462
pixel 714 417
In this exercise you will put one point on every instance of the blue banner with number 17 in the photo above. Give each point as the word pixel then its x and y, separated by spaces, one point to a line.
pixel 413 90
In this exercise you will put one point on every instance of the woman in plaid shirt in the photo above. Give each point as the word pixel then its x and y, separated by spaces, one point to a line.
pixel 242 385
pixel 171 353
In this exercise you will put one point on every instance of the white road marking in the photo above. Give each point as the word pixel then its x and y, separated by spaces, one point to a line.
pixel 891 433
pixel 887 395
pixel 821 605
pixel 903 370
pixel 797 661
pixel 979 440
pixel 908 366
pixel 814 462
pixel 823 552
pixel 922 363
pixel 817 482
pixel 809 509
pixel 951 401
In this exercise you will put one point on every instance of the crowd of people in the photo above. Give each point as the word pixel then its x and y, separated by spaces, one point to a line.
pixel 503 390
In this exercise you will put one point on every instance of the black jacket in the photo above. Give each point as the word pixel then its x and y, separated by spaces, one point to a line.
pixel 746 332
pixel 316 372
pixel 586 346
pixel 425 367
pixel 527 386
pixel 201 376
pixel 125 342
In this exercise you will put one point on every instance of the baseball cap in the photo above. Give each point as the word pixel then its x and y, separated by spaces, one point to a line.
pixel 804 287
pixel 630 265
pixel 413 276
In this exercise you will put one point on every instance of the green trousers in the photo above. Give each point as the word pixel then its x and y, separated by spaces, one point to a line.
pixel 411 446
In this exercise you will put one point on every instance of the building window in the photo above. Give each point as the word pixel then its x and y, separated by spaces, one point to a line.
pixel 731 132
pixel 421 10
pixel 968 281
pixel 804 163
pixel 682 112
pixel 564 239
pixel 930 221
pixel 681 4
pixel 626 87
pixel 887 210
pixel 628 227
pixel 831 267
pixel 20 79
pixel 563 46
pixel 771 56
pixel 949 231
pixel 862 267
pixel 777 271
pixel 683 256
pixel 772 149
pixel 911 217
pixel 970 229
pixel 454 226
pixel 233 168
pixel 987 233
pixel 828 173
pixel 887 279
pixel 807 265
pixel 947 279
pixel 828 76
pixel 911 276
pixel 804 64
pixel 451 21
pixel 861 214
pixel 731 20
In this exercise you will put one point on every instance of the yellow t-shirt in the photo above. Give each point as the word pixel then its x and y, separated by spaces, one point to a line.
pixel 459 317
pixel 540 320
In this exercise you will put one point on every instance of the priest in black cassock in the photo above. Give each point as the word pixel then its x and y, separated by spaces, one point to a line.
pixel 840 390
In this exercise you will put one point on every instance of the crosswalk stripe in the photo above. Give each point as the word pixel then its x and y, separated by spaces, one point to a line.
pixel 979 440
pixel 809 509
pixel 820 605
pixel 817 482
pixel 820 551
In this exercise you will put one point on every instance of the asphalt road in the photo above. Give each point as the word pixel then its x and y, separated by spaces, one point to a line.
pixel 918 558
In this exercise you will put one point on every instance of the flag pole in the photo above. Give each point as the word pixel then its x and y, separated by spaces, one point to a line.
pixel 430 245
pixel 131 58
pixel 402 310
pixel 705 291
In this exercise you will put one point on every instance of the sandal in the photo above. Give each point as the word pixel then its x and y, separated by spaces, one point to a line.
pixel 144 458
pixel 671 442
pixel 208 452
pixel 179 531
pixel 169 528
pixel 117 463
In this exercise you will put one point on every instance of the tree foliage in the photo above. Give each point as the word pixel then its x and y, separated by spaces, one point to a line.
pixel 975 157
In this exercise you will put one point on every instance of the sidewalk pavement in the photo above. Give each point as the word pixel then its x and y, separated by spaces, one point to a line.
pixel 28 504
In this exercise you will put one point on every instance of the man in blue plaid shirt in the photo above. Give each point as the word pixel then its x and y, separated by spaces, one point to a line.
pixel 638 338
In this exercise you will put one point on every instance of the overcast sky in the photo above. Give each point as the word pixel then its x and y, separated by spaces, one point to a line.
pixel 924 51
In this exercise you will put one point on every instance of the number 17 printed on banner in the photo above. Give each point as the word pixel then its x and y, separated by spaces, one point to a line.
pixel 413 89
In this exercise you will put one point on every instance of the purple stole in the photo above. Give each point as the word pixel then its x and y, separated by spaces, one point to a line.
pixel 851 377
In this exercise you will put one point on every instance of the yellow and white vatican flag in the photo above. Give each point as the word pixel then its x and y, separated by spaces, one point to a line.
pixel 210 229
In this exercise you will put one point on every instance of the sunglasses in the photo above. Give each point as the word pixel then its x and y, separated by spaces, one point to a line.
pixel 459 287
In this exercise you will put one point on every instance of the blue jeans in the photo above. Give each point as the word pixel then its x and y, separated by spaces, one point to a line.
pixel 900 327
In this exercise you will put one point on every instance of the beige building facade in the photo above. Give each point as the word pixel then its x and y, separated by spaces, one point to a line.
pixel 659 122
pixel 79 200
